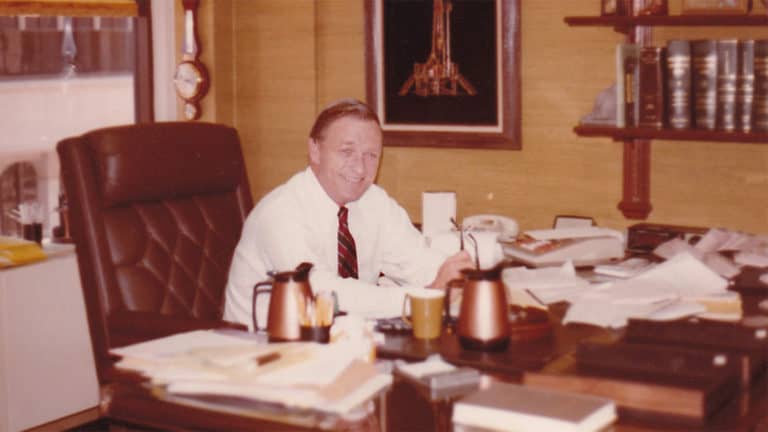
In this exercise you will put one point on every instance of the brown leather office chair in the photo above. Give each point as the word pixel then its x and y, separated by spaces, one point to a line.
pixel 156 211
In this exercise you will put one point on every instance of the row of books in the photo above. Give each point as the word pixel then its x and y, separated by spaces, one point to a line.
pixel 701 84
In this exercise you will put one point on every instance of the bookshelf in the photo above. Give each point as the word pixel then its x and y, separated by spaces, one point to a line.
pixel 626 23
pixel 620 134
pixel 635 203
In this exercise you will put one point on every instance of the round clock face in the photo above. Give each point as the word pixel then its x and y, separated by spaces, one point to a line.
pixel 189 80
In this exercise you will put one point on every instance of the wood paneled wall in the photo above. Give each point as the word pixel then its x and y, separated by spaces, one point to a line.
pixel 276 63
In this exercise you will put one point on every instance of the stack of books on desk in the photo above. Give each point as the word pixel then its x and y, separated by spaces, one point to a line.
pixel 681 371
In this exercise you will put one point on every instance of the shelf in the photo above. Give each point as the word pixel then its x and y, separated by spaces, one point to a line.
pixel 636 142
pixel 623 22
pixel 621 134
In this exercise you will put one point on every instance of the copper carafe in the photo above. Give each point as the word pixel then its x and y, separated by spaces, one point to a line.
pixel 483 322
pixel 289 290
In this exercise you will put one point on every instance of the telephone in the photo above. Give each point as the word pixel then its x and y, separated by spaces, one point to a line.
pixel 506 226
pixel 482 228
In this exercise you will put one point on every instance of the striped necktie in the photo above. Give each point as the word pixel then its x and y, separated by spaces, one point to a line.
pixel 347 250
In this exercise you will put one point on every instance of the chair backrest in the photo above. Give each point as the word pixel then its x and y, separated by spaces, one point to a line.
pixel 156 211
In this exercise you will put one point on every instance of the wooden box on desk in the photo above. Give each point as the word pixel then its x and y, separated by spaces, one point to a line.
pixel 749 345
pixel 667 384
pixel 645 237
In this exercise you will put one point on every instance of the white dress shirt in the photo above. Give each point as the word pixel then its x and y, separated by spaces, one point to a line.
pixel 297 222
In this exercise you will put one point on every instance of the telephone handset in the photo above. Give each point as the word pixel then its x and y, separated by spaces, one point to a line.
pixel 506 226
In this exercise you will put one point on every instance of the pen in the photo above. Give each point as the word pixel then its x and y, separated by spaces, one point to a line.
pixel 461 233
pixel 269 358
pixel 535 297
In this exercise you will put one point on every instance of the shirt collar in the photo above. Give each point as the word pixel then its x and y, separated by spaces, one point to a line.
pixel 321 198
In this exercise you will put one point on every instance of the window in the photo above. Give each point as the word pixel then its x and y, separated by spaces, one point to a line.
pixel 62 75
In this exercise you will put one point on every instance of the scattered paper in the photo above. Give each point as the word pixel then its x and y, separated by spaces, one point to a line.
pixel 433 365
pixel 546 285
pixel 180 343
pixel 663 292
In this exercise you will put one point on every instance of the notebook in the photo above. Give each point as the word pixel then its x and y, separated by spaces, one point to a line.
pixel 16 251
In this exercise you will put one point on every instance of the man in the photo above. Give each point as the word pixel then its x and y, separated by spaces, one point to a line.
pixel 333 216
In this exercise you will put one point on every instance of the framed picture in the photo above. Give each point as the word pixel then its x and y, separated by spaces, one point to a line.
pixel 694 7
pixel 445 73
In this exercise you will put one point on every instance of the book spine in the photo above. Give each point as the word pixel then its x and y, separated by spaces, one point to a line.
pixel 727 68
pixel 650 104
pixel 760 108
pixel 620 95
pixel 704 76
pixel 745 85
pixel 630 85
pixel 679 83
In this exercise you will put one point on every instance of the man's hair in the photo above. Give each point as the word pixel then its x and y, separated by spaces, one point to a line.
pixel 339 109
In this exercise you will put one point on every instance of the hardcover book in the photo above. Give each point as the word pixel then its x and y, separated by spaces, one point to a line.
pixel 512 407
pixel 626 65
pixel 727 72
pixel 650 102
pixel 760 108
pixel 704 76
pixel 745 85
pixel 679 83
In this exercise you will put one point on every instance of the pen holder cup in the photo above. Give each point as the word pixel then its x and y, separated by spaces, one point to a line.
pixel 320 334
pixel 33 232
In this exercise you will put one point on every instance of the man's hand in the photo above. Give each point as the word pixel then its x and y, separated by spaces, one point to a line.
pixel 451 269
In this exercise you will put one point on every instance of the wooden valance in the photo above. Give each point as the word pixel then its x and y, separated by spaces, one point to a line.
pixel 69 7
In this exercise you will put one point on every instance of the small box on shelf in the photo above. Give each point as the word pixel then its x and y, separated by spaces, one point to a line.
pixel 615 7
pixel 716 7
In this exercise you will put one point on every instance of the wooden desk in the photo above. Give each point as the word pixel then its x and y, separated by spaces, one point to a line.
pixel 405 408
pixel 744 413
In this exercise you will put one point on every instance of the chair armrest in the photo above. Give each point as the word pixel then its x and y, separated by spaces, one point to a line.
pixel 128 327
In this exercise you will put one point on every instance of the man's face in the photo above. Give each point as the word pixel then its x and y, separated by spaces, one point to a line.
pixel 346 158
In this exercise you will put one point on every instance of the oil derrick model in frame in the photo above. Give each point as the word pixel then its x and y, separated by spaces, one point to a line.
pixel 438 76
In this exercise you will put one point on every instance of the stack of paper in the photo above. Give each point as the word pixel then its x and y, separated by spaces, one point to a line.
pixel 668 291
pixel 544 286
pixel 582 246
pixel 328 378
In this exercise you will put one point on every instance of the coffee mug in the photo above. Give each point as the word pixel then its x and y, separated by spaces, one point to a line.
pixel 426 312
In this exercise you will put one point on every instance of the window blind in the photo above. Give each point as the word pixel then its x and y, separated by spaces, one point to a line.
pixel 69 7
